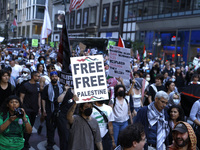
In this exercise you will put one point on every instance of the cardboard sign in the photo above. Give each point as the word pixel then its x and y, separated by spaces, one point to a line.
pixel 119 62
pixel 66 78
pixel 34 42
pixel 89 78
pixel 111 43
pixel 52 44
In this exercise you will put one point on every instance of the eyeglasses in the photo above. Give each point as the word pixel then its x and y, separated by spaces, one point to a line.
pixel 53 68
pixel 24 72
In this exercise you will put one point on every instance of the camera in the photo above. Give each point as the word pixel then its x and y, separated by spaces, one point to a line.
pixel 19 113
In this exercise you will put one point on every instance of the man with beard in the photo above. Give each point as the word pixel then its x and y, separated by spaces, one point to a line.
pixel 184 137
pixel 31 101
pixel 52 113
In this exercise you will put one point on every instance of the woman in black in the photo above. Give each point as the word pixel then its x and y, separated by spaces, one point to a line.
pixel 180 81
pixel 6 89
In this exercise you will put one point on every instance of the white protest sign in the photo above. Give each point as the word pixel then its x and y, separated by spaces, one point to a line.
pixel 89 78
pixel 119 62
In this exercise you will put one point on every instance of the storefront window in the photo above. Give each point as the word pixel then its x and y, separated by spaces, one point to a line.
pixel 194 44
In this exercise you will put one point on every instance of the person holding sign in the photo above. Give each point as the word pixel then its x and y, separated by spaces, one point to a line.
pixel 84 131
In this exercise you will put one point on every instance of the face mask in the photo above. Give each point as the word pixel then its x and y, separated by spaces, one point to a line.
pixel 42 61
pixel 121 93
pixel 19 58
pixel 176 101
pixel 88 111
pixel 173 80
pixel 31 61
pixel 148 79
pixel 7 62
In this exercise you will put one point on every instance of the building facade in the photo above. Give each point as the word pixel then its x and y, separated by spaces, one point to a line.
pixel 168 28
pixel 95 18
pixel 30 17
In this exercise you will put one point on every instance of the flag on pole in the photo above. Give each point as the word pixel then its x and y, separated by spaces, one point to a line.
pixel 75 4
pixel 137 55
pixel 144 53
pixel 121 42
pixel 64 52
pixel 14 25
pixel 46 27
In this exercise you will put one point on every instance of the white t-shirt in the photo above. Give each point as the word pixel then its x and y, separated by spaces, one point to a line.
pixel 107 110
pixel 16 70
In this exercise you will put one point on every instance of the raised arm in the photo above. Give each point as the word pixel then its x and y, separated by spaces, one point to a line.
pixel 70 113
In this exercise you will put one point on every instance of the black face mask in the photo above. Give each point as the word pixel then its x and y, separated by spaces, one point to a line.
pixel 121 93
pixel 88 111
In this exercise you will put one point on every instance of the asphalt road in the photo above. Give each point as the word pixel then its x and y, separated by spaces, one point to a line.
pixel 38 142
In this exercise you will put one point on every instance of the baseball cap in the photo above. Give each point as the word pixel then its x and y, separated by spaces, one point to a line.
pixel 180 128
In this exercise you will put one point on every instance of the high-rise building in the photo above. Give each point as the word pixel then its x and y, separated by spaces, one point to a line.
pixel 30 18
pixel 169 28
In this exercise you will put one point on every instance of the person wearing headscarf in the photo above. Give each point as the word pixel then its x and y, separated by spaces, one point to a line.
pixel 184 137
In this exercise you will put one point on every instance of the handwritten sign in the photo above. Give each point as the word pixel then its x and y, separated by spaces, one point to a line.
pixel 66 78
pixel 89 78
pixel 119 62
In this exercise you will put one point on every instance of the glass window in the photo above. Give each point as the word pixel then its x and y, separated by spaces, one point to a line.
pixel 196 6
pixel 115 13
pixel 105 14
pixel 188 4
pixel 140 11
pixel 93 14
pixel 39 12
pixel 85 17
pixel 42 2
pixel 72 19
pixel 27 31
pixel 78 18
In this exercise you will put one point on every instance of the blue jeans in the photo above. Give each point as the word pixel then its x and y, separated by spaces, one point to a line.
pixel 117 127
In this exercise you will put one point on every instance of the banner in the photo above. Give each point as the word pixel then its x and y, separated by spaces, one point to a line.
pixel 66 78
pixel 89 78
pixel 34 42
pixel 119 62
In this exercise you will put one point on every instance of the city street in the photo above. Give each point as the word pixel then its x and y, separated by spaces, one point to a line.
pixel 38 142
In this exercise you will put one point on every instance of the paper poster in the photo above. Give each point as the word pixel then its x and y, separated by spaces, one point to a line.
pixel 119 62
pixel 89 78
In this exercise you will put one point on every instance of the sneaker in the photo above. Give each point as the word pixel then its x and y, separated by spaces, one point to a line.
pixel 39 130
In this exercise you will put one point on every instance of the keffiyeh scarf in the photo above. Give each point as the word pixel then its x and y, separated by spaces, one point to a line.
pixel 51 94
pixel 154 116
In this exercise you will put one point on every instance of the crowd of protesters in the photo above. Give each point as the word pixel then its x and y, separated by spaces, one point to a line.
pixel 142 111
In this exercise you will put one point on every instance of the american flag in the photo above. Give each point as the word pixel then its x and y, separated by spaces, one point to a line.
pixel 75 4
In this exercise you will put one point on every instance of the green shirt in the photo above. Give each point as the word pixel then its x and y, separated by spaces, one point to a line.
pixel 12 137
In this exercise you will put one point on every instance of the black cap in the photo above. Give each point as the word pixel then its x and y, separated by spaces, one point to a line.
pixel 180 128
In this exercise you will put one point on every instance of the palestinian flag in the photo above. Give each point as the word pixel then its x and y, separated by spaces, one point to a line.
pixel 144 53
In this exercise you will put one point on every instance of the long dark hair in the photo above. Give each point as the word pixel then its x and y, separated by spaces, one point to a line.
pixel 4 108
pixel 38 65
pixel 180 110
pixel 116 89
